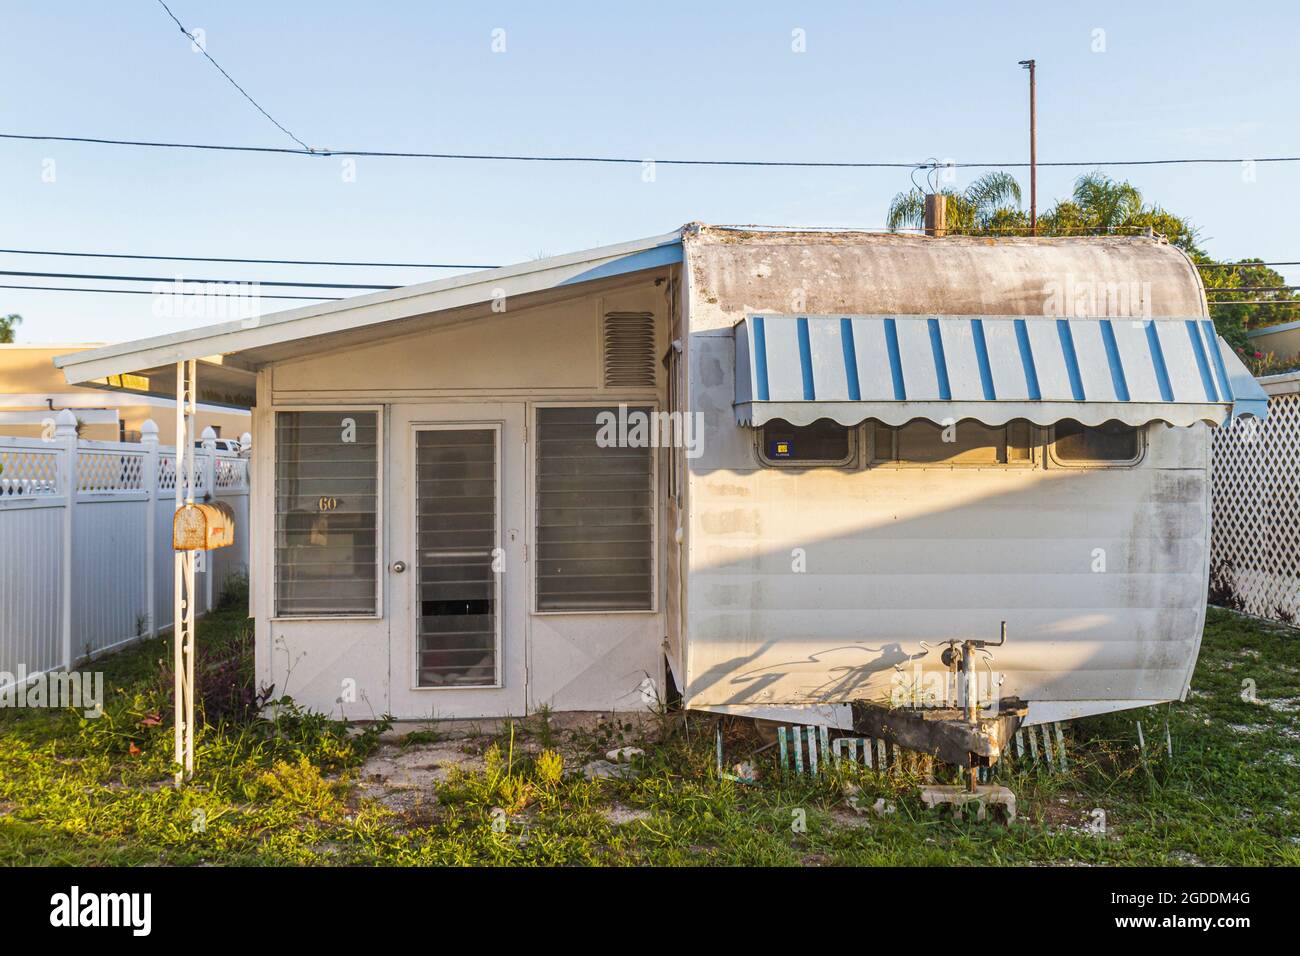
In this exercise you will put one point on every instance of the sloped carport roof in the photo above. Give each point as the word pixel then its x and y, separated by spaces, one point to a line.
pixel 247 344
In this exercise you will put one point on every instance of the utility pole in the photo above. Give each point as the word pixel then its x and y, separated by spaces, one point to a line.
pixel 1033 150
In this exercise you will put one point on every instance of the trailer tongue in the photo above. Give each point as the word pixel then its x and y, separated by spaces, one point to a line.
pixel 970 736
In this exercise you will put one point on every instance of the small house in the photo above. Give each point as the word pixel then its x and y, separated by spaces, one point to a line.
pixel 768 472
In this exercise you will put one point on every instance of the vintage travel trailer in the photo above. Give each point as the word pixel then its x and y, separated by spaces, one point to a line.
pixel 771 472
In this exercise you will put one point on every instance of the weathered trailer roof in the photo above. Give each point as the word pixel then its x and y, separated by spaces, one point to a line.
pixel 991 369
pixel 827 272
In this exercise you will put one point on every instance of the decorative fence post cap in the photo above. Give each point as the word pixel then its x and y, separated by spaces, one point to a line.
pixel 65 424
pixel 149 432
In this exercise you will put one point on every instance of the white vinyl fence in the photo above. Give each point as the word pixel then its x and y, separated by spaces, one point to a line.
pixel 1255 551
pixel 86 559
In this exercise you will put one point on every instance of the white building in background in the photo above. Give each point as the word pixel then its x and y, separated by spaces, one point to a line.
pixel 113 408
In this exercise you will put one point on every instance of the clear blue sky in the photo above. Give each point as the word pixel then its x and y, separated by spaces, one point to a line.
pixel 879 81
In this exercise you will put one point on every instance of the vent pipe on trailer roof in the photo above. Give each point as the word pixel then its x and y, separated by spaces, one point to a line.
pixel 936 214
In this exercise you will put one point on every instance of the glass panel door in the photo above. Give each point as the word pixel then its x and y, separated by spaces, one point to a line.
pixel 458 554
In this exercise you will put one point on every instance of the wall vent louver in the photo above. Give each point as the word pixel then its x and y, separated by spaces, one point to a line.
pixel 629 349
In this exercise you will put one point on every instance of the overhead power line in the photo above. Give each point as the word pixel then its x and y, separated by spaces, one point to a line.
pixel 1215 302
pixel 412 265
pixel 1255 288
pixel 627 160
pixel 1244 265
pixel 202 47
pixel 60 288
pixel 278 262
pixel 173 279
pixel 325 298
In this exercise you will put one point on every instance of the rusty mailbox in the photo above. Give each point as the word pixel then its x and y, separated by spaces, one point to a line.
pixel 202 527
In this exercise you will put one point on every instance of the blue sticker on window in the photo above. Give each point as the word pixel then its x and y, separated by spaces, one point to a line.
pixel 780 448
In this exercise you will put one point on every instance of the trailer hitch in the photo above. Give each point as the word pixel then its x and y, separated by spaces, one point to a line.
pixel 962 736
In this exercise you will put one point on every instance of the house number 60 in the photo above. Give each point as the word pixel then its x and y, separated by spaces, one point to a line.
pixel 327 504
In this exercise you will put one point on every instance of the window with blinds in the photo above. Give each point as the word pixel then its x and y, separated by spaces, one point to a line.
pixel 595 513
pixel 326 513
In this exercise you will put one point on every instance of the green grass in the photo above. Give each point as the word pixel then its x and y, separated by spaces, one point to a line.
pixel 285 791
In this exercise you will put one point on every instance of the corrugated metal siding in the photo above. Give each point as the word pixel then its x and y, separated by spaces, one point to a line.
pixel 895 557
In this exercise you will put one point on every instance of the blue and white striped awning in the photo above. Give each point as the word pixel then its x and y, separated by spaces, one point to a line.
pixel 992 369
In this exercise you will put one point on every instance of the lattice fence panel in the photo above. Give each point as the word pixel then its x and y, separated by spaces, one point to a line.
pixel 109 471
pixel 167 475
pixel 1255 551
pixel 231 474
pixel 26 473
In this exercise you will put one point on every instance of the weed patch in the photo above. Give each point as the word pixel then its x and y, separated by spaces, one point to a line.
pixel 277 785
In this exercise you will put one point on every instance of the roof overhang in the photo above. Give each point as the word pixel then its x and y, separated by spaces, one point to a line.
pixel 991 369
pixel 221 382
pixel 248 344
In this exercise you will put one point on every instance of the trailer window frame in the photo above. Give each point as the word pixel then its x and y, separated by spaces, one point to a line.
pixel 1140 434
pixel 875 460
pixel 848 462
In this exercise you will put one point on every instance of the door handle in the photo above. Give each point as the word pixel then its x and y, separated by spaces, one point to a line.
pixel 398 567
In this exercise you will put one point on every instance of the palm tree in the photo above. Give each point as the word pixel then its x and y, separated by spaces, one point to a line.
pixel 7 325
pixel 1100 204
pixel 983 206
pixel 1112 204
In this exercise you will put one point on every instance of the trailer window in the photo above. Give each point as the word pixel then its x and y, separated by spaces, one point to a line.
pixel 823 442
pixel 1111 443
pixel 326 513
pixel 956 443
pixel 595 509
